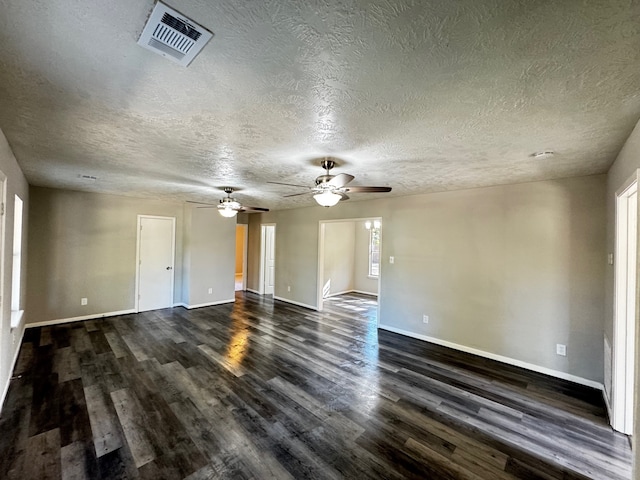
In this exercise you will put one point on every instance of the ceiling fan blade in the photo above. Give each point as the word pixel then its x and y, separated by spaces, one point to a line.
pixel 359 189
pixel 210 206
pixel 201 203
pixel 343 195
pixel 289 184
pixel 296 194
pixel 341 180
pixel 253 209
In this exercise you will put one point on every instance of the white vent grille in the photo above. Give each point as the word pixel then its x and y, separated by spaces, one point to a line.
pixel 170 34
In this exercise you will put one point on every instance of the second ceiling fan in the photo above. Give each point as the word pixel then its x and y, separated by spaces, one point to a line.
pixel 330 189
pixel 229 206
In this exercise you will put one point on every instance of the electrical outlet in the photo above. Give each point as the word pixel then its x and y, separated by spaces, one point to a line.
pixel 210 291
pixel 391 259
pixel 561 350
pixel 84 301
pixel 425 318
pixel 288 288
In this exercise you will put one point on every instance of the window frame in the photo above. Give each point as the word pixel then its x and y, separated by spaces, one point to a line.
pixel 374 250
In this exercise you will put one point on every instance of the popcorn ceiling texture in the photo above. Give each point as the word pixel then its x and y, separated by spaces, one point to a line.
pixel 417 95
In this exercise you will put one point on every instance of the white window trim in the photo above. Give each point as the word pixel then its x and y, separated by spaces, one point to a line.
pixel 371 233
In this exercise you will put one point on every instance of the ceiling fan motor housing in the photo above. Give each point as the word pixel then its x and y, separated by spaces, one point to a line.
pixel 323 179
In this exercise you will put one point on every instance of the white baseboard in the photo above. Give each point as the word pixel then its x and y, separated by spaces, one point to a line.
pixel 352 291
pixel 300 304
pixel 79 319
pixel 339 293
pixel 365 293
pixel 253 291
pixel 209 304
pixel 180 304
pixel 5 389
pixel 607 403
pixel 499 358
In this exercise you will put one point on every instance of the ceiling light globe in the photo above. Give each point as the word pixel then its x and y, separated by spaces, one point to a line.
pixel 327 199
pixel 227 212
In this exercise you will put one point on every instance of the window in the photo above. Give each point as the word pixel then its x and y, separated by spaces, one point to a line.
pixel 16 313
pixel 374 247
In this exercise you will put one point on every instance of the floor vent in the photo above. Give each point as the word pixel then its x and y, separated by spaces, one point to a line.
pixel 172 35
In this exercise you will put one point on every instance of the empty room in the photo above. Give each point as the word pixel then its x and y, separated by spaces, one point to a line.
pixel 333 239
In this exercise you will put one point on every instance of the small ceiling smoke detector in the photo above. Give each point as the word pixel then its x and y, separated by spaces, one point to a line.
pixel 172 35
pixel 543 155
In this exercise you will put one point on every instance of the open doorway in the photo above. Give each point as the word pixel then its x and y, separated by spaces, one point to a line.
pixel 241 257
pixel 625 307
pixel 349 265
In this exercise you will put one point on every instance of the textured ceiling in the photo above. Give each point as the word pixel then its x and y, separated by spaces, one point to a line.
pixel 417 95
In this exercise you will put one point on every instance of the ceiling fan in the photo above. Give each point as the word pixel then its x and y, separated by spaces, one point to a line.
pixel 229 206
pixel 330 189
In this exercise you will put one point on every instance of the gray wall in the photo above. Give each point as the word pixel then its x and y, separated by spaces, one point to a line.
pixel 210 240
pixel 339 248
pixel 84 245
pixel 511 270
pixel 16 185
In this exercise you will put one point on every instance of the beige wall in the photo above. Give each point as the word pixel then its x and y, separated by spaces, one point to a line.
pixel 510 270
pixel 339 247
pixel 10 338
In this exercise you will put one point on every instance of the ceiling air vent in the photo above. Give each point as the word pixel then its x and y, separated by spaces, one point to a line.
pixel 172 35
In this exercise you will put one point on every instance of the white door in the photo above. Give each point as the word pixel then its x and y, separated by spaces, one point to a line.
pixel 625 309
pixel 156 239
pixel 269 235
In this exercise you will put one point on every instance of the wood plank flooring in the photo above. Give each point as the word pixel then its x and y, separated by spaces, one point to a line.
pixel 263 389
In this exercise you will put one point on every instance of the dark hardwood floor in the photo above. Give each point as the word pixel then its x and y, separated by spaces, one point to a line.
pixel 263 389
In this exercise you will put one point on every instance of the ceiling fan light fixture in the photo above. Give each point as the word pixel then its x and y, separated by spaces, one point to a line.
pixel 227 212
pixel 327 198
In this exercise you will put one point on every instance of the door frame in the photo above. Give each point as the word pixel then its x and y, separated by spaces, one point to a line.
pixel 263 254
pixel 624 321
pixel 4 298
pixel 173 258
pixel 320 275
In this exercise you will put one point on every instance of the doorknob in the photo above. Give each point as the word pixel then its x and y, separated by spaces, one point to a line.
pixel 169 268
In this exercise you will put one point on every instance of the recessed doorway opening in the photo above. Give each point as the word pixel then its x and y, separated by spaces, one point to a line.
pixel 349 265
pixel 241 257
